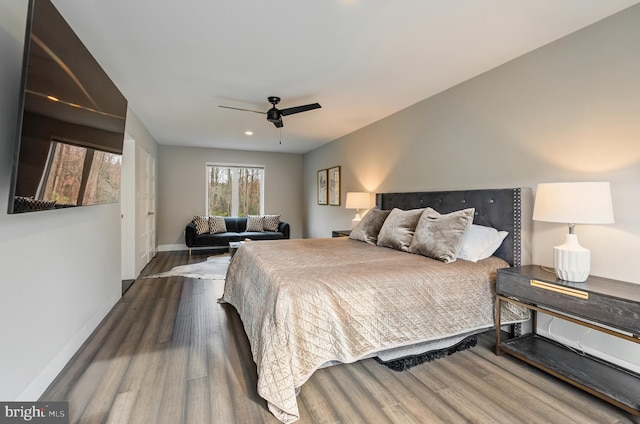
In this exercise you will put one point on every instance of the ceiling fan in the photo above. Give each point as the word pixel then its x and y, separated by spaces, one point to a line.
pixel 274 115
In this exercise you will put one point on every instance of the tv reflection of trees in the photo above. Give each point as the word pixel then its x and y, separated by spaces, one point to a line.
pixel 77 175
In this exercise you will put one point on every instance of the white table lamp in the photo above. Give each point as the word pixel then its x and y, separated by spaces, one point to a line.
pixel 357 200
pixel 573 203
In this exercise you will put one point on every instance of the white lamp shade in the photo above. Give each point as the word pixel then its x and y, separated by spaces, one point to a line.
pixel 358 200
pixel 574 203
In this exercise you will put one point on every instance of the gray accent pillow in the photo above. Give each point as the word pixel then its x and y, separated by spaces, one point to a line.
pixel 217 225
pixel 201 223
pixel 397 230
pixel 271 222
pixel 255 223
pixel 440 236
pixel 368 228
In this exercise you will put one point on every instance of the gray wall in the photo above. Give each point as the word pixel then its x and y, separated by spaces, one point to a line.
pixel 182 185
pixel 568 111
pixel 59 270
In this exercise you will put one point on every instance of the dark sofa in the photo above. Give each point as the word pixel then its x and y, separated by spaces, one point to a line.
pixel 236 231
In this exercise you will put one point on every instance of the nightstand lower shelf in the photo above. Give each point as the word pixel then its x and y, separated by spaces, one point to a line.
pixel 591 374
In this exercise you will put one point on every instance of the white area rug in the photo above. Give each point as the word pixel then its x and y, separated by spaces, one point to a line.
pixel 214 268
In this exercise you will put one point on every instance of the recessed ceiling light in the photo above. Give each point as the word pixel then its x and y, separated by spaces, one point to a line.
pixel 248 133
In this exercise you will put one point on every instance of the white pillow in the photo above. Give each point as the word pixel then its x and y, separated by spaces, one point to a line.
pixel 480 242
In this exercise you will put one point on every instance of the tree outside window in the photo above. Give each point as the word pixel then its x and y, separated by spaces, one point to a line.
pixel 235 190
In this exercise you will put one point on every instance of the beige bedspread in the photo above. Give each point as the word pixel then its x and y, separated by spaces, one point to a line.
pixel 306 302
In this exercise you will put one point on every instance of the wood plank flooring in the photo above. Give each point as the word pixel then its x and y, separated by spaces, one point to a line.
pixel 168 353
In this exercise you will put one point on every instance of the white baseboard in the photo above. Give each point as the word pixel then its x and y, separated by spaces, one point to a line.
pixel 171 247
pixel 36 388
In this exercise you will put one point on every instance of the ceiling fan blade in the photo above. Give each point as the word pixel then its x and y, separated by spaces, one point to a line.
pixel 244 110
pixel 298 109
pixel 278 123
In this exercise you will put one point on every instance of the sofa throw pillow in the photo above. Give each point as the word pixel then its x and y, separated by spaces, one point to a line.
pixel 255 223
pixel 480 242
pixel 201 223
pixel 217 225
pixel 397 230
pixel 369 227
pixel 271 222
pixel 440 236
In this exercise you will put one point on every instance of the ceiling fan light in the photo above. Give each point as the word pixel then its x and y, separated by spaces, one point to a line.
pixel 273 115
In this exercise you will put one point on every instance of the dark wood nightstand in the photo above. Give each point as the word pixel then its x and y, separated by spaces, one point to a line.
pixel 602 304
pixel 340 233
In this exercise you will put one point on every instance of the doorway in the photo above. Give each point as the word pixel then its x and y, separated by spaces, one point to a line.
pixel 146 217
pixel 128 213
pixel 137 210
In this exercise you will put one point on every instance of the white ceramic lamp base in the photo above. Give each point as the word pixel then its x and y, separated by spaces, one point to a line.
pixel 355 221
pixel 572 261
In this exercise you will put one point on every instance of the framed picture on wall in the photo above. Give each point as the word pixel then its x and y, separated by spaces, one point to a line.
pixel 322 186
pixel 334 186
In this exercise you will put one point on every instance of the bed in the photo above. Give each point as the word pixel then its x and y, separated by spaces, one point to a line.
pixel 309 303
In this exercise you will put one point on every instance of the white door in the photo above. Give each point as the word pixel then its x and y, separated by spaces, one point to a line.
pixel 146 210
pixel 128 209
pixel 151 210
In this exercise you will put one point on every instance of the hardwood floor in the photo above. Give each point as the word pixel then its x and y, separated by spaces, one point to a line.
pixel 168 353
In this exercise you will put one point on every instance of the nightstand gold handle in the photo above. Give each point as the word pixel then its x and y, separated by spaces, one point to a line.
pixel 563 290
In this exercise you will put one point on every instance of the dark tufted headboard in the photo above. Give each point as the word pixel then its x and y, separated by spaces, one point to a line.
pixel 506 209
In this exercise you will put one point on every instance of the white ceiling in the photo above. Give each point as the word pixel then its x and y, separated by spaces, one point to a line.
pixel 362 60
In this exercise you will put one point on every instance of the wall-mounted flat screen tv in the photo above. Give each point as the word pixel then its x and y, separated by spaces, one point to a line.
pixel 71 121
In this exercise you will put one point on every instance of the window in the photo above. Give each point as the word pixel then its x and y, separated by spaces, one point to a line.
pixel 235 190
pixel 77 175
